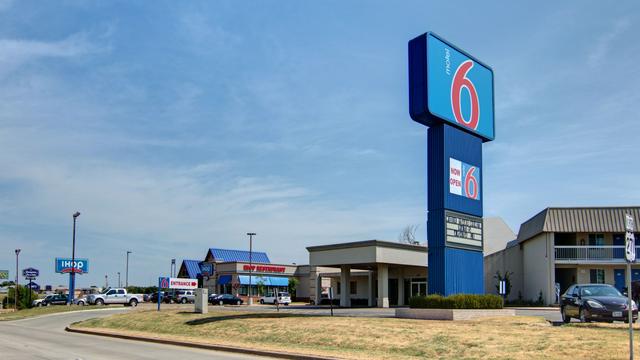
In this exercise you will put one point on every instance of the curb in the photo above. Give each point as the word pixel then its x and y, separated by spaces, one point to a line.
pixel 226 348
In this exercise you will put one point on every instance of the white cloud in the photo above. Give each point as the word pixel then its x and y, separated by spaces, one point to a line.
pixel 606 40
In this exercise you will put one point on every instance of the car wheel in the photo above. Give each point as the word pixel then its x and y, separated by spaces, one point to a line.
pixel 183 301
pixel 286 304
pixel 99 302
pixel 39 304
pixel 565 318
pixel 81 303
pixel 133 303
pixel 583 316
pixel 261 301
pixel 238 302
pixel 220 302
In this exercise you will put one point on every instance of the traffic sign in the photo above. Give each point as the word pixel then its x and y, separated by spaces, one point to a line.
pixel 630 240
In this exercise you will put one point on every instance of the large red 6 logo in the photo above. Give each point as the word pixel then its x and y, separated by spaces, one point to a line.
pixel 460 81
pixel 471 183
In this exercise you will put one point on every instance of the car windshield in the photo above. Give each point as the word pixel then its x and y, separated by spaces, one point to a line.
pixel 283 294
pixel 599 291
pixel 105 290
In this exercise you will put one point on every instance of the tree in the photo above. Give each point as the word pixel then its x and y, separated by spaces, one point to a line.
pixel 260 286
pixel 23 298
pixel 507 282
pixel 293 285
pixel 408 235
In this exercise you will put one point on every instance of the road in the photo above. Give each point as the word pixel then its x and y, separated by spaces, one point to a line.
pixel 45 338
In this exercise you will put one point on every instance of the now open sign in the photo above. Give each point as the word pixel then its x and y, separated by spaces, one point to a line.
pixel 66 265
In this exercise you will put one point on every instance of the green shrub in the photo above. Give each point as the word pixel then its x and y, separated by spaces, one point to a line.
pixel 458 301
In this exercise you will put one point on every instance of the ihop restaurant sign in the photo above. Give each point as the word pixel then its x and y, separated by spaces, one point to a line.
pixel 451 92
pixel 65 265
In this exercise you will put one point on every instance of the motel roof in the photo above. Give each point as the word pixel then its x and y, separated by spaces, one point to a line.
pixel 226 255
pixel 578 220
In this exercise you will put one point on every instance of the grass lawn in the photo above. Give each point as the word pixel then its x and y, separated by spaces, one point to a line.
pixel 379 338
pixel 41 311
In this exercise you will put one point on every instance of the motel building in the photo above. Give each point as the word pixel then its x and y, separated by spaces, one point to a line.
pixel 369 273
pixel 562 246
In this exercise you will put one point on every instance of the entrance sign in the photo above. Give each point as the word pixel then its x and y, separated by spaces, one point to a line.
pixel 451 92
pixel 66 265
pixel 180 283
pixel 447 84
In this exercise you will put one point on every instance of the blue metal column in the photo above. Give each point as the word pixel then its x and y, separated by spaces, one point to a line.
pixel 453 268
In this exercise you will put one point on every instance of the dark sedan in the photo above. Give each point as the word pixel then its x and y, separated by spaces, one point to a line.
pixel 596 302
pixel 227 299
pixel 57 299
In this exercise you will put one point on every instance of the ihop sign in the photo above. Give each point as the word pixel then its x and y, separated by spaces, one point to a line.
pixel 66 265
pixel 447 84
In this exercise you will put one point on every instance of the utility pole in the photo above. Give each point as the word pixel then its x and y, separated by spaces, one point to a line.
pixel 173 267
pixel 251 235
pixel 119 282
pixel 72 274
pixel 106 281
pixel 15 293
pixel 127 270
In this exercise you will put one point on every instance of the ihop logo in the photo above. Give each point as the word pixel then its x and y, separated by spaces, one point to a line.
pixel 460 88
pixel 464 179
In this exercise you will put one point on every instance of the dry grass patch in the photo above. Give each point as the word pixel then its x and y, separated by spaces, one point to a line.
pixel 379 338
pixel 37 311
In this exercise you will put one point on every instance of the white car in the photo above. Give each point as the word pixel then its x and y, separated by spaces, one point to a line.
pixel 282 298
pixel 82 301
pixel 38 302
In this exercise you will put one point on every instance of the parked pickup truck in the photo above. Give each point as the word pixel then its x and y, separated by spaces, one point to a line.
pixel 114 296
pixel 282 298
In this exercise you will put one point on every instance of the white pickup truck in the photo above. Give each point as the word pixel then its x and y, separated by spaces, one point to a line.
pixel 282 298
pixel 114 296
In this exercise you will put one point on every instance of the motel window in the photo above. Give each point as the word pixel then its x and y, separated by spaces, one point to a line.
pixel 596 239
pixel 596 276
pixel 353 288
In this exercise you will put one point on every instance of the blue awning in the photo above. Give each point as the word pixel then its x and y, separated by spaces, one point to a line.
pixel 265 280
pixel 224 279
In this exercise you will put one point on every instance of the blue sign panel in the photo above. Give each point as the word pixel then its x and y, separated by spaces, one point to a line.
pixel 30 273
pixel 447 84
pixel 206 269
pixel 65 265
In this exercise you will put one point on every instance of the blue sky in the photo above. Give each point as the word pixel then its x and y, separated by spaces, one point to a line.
pixel 174 127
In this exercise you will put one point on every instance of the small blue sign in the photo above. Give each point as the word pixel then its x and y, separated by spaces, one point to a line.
pixel 30 273
pixel 34 286
pixel 447 84
pixel 66 265
pixel 206 269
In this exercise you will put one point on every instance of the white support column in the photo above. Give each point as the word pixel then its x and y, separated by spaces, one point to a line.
pixel 370 289
pixel 345 279
pixel 400 286
pixel 383 285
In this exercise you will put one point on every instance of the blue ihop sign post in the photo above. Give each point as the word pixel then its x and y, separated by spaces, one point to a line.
pixel 452 93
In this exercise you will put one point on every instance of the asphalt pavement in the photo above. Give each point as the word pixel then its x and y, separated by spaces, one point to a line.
pixel 44 338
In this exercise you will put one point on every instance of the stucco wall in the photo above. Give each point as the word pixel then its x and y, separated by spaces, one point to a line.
pixel 538 268
pixel 506 260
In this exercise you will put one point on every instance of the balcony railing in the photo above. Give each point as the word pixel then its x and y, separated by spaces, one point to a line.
pixel 600 253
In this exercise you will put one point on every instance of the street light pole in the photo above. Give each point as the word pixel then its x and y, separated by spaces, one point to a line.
pixel 173 267
pixel 15 293
pixel 126 277
pixel 119 283
pixel 72 274
pixel 251 235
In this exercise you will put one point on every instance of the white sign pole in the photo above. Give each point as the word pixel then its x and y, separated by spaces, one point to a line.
pixel 630 254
